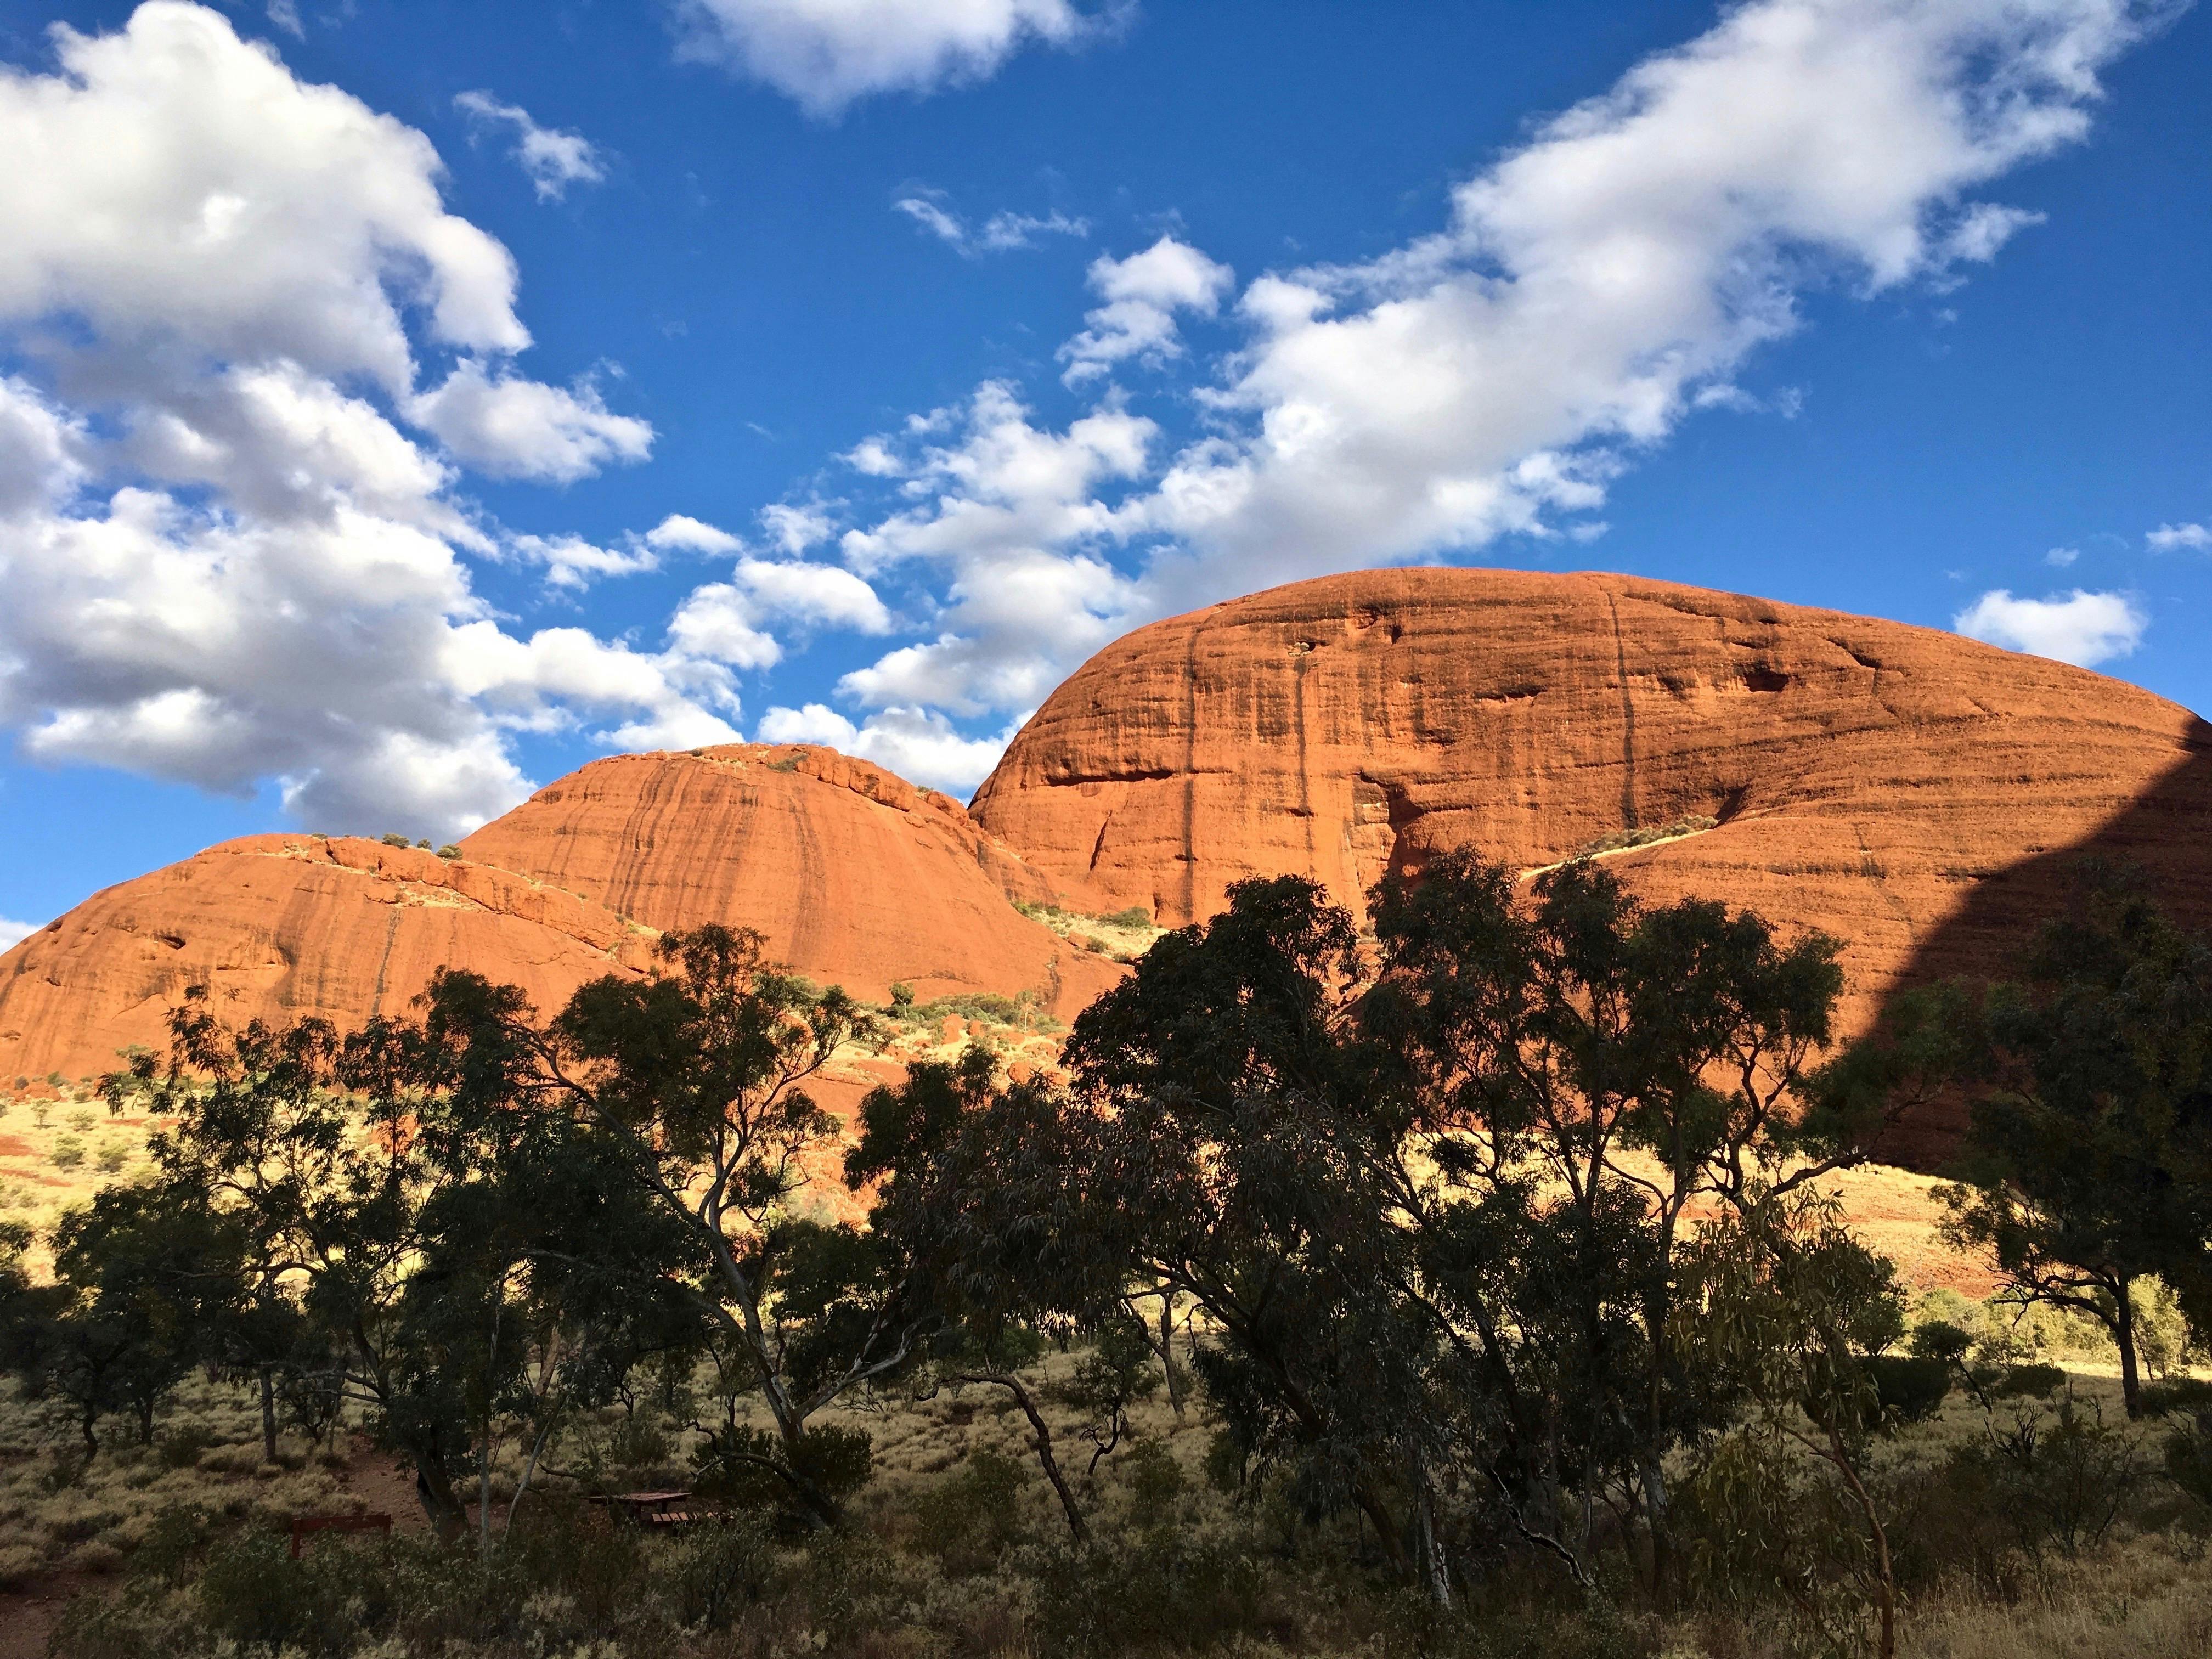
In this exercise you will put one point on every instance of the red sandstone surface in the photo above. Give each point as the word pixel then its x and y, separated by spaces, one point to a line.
pixel 1913 792
pixel 279 927
pixel 853 875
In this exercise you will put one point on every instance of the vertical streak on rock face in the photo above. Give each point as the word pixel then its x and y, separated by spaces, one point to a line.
pixel 814 876
pixel 384 965
pixel 1627 720
pixel 1305 773
pixel 1189 779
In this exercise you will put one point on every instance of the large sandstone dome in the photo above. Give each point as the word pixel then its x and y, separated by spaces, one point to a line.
pixel 855 877
pixel 852 873
pixel 280 927
pixel 1913 792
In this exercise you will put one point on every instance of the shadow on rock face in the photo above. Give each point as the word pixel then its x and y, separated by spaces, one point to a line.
pixel 2166 833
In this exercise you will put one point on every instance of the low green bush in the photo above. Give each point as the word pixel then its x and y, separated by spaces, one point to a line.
pixel 1163 1592
pixel 971 1518
pixel 2187 1453
pixel 1912 1387
pixel 717 1569
pixel 2179 1394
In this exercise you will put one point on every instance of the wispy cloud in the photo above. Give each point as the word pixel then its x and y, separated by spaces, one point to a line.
pixel 1591 291
pixel 1002 232
pixel 552 160
pixel 2175 538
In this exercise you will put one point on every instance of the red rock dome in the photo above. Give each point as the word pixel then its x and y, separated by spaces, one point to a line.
pixel 854 876
pixel 280 927
pixel 1910 791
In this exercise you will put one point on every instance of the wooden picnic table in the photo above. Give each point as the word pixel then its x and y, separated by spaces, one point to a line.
pixel 658 1509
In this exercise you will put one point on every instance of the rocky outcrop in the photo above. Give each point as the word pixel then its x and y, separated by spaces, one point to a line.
pixel 853 875
pixel 280 927
pixel 1894 785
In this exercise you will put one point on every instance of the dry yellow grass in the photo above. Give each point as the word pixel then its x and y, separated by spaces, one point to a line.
pixel 56 1149
pixel 1110 936
pixel 2147 1598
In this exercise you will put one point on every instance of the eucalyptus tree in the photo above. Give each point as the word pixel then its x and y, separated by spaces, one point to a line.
pixel 1789 1302
pixel 391 1220
pixel 1225 1138
pixel 693 1081
pixel 2087 1162
pixel 1579 1070
pixel 1431 1193
pixel 140 1281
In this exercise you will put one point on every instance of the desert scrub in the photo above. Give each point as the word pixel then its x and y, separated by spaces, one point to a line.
pixel 975 1513
pixel 59 1509
pixel 1123 935
pixel 954 1550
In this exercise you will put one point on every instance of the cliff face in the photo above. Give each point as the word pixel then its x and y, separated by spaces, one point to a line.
pixel 1863 777
pixel 855 877
pixel 280 927
pixel 852 874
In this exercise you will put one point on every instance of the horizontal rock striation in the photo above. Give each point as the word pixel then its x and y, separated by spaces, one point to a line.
pixel 281 927
pixel 852 874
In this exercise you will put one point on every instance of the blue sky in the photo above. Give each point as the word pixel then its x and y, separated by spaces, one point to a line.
pixel 401 404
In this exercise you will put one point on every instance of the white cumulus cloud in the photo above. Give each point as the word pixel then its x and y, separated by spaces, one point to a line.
pixel 1003 502
pixel 920 745
pixel 1142 295
pixel 226 560
pixel 13 934
pixel 570 561
pixel 795 528
pixel 2082 628
pixel 511 428
pixel 173 179
pixel 818 593
pixel 39 444
pixel 728 622
pixel 2174 537
pixel 826 54
pixel 552 160
pixel 690 535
